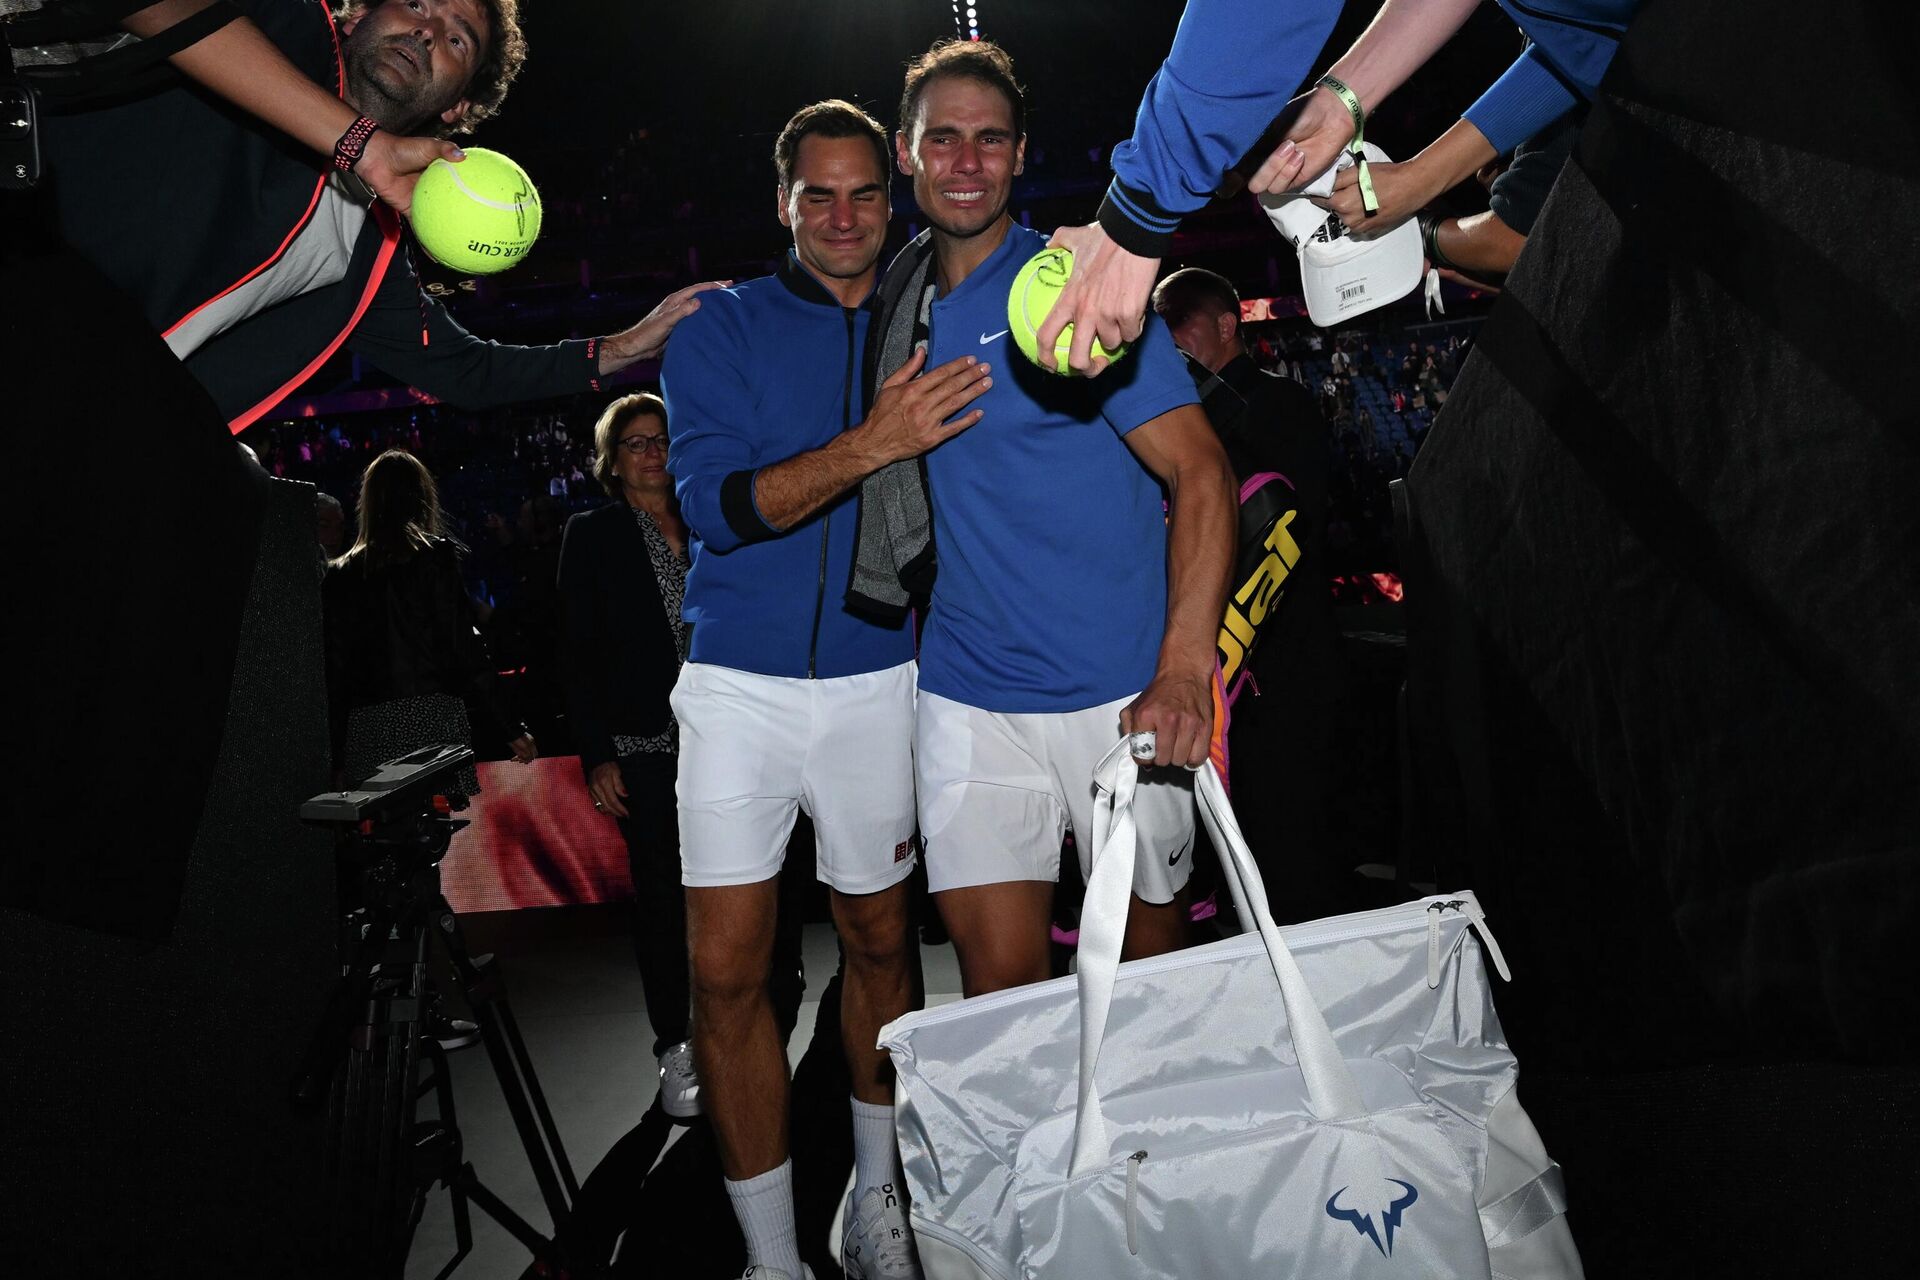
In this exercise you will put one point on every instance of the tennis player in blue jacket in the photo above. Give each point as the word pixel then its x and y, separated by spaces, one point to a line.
pixel 787 700
pixel 1227 77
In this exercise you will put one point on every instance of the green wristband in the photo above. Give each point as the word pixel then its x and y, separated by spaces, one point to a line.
pixel 1351 100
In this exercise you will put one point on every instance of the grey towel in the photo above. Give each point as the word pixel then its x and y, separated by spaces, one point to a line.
pixel 893 561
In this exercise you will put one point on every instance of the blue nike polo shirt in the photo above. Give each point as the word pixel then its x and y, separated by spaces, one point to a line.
pixel 1052 539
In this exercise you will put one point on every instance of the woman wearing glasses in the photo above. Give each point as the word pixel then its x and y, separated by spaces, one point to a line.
pixel 623 572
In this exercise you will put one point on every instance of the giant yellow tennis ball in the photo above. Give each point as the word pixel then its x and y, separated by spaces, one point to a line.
pixel 480 215
pixel 1034 289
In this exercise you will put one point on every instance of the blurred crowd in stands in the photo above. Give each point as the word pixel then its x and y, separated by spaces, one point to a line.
pixel 509 478
pixel 1379 391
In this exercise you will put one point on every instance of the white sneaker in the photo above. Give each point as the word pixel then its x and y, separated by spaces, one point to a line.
pixel 680 1084
pixel 878 1244
pixel 758 1272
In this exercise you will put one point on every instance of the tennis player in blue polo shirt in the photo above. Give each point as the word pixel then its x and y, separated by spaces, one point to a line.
pixel 1083 531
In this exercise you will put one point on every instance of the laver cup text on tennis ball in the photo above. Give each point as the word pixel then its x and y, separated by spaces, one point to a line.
pixel 480 215
pixel 1034 290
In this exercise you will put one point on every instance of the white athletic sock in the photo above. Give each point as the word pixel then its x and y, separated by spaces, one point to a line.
pixel 876 1157
pixel 764 1206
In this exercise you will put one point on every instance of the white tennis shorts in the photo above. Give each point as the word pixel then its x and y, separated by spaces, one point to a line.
pixel 754 750
pixel 998 791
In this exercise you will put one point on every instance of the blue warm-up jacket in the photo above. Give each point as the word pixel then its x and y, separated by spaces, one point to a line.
pixel 1234 64
pixel 763 371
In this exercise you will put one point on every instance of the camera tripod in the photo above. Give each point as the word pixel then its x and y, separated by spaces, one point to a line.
pixel 366 1058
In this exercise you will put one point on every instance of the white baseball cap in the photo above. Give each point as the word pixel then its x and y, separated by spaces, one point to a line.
pixel 1341 276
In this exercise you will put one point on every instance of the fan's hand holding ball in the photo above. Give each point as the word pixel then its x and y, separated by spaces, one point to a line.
pixel 481 215
pixel 392 164
pixel 1034 292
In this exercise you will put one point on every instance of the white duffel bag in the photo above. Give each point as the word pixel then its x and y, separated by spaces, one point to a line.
pixel 1331 1100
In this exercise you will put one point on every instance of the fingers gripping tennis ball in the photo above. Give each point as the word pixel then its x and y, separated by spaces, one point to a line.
pixel 481 215
pixel 1034 291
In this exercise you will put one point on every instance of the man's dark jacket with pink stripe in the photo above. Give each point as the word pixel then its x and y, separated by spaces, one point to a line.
pixel 177 197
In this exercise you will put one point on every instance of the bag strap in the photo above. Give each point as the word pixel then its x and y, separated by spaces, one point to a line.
pixel 1331 1091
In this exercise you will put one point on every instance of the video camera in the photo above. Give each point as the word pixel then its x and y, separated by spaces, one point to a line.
pixel 401 788
pixel 383 1041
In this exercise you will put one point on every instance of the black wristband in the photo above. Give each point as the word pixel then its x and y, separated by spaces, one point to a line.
pixel 1430 240
pixel 353 144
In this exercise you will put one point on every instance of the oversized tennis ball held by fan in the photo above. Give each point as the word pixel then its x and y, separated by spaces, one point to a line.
pixel 1034 291
pixel 480 215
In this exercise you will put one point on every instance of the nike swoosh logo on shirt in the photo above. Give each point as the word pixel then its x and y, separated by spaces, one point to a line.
pixel 985 338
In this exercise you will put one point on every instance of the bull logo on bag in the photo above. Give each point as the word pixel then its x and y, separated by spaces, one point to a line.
pixel 1363 1222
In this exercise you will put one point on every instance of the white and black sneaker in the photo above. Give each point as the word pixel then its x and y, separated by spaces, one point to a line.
pixel 758 1272
pixel 878 1244
pixel 680 1084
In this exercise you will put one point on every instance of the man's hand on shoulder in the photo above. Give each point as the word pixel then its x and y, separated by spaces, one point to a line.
pixel 1178 709
pixel 648 339
pixel 914 413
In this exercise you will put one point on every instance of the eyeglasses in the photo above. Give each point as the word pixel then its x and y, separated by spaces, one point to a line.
pixel 637 444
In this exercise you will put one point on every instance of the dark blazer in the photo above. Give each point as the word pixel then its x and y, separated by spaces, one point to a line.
pixel 616 647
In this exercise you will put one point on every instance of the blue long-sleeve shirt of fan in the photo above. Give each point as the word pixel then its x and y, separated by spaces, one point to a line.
pixel 765 370
pixel 1234 64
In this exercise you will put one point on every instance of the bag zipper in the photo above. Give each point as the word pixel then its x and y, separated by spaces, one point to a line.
pixel 1361 924
pixel 1477 919
pixel 1240 1138
pixel 1134 1162
pixel 1219 1142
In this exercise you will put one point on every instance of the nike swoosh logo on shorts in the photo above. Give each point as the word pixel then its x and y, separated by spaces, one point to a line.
pixel 985 338
pixel 1174 861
